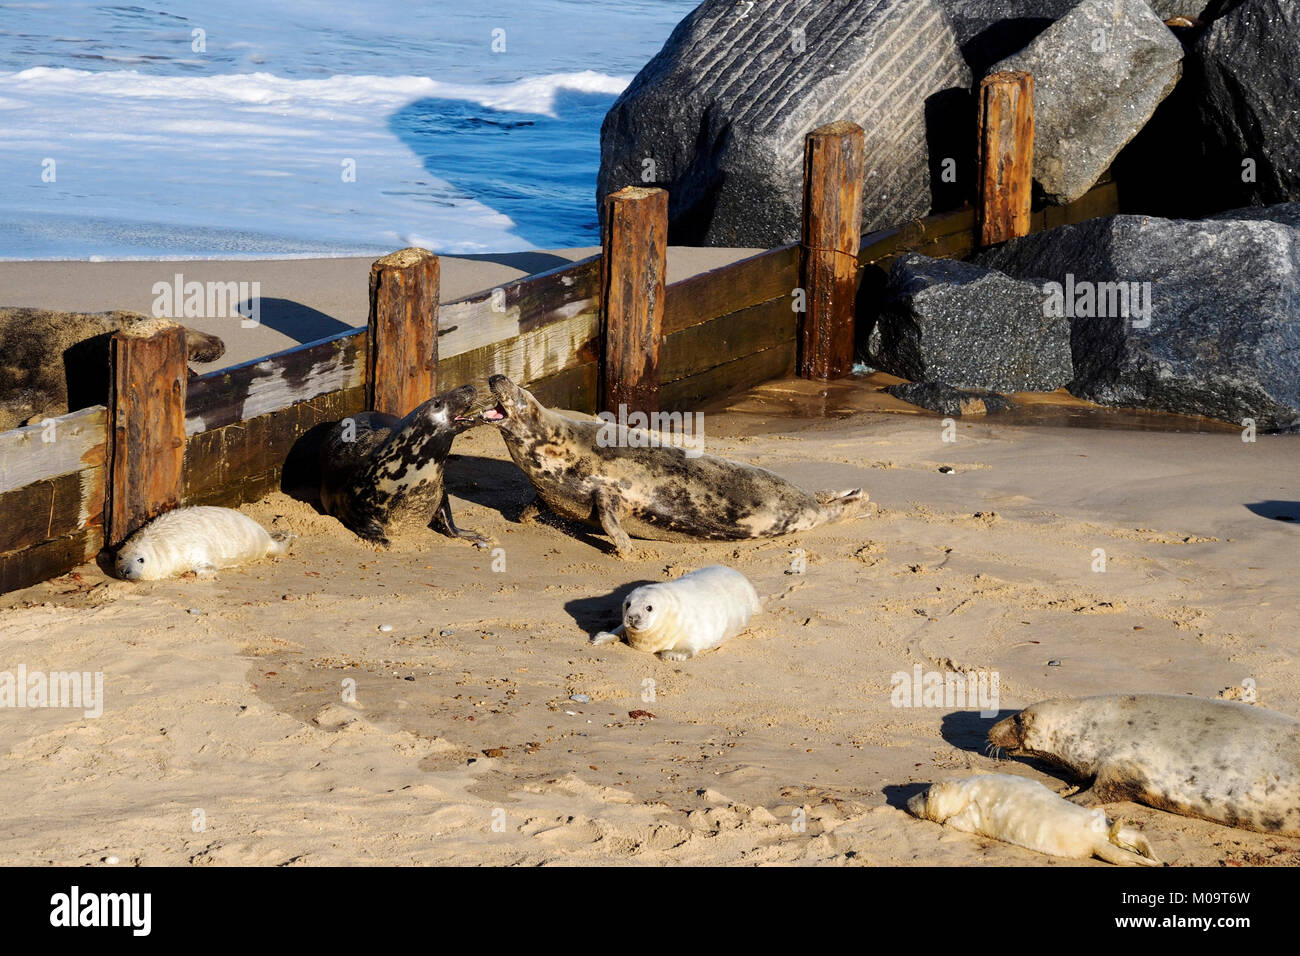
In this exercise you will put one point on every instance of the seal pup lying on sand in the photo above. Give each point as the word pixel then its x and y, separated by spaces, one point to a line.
pixel 1214 759
pixel 381 474
pixel 201 539
pixel 660 493
pixel 1024 812
pixel 678 619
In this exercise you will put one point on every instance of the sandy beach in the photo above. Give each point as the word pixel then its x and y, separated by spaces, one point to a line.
pixel 485 730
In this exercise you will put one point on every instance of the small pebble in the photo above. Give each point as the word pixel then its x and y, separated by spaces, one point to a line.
pixel 571 713
pixel 385 627
pixel 947 470
pixel 1054 663
pixel 446 633
pixel 580 698
pixel 112 860
pixel 195 611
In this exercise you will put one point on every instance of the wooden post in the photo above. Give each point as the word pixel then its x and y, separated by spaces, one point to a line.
pixel 1006 155
pixel 834 168
pixel 402 356
pixel 146 418
pixel 634 268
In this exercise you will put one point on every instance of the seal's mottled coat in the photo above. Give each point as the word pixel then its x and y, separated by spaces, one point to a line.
pixel 1215 759
pixel 660 493
pixel 381 474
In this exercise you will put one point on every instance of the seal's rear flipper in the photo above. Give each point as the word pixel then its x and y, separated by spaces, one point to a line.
pixel 1127 846
pixel 838 505
pixel 280 541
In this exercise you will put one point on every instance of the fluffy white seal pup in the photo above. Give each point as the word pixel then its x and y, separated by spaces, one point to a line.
pixel 1024 812
pixel 199 539
pixel 678 619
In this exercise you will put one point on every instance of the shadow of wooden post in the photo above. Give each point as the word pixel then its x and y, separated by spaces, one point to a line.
pixel 634 268
pixel 146 427
pixel 834 168
pixel 402 351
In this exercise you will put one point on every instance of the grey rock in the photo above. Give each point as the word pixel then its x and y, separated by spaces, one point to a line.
pixel 1287 213
pixel 946 400
pixel 1249 95
pixel 989 30
pixel 718 117
pixel 1099 73
pixel 951 321
pixel 1214 318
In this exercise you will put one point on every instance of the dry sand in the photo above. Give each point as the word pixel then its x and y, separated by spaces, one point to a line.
pixel 302 300
pixel 464 745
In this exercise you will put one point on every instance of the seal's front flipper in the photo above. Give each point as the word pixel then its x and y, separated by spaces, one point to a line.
pixel 684 654
pixel 447 525
pixel 607 637
pixel 608 509
pixel 532 511
pixel 280 542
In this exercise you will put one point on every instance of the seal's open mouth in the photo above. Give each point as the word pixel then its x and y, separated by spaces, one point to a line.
pixel 497 414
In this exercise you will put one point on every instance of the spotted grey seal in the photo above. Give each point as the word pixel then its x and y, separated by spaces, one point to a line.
pixel 381 474
pixel 659 492
pixel 1214 759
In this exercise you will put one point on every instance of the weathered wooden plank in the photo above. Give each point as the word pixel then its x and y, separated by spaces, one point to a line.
pixel 530 357
pixel 276 382
pixel 51 508
pixel 574 389
pixel 731 288
pixel 244 461
pixel 953 234
pixel 728 337
pixel 402 354
pixel 1005 155
pixel 688 394
pixel 74 441
pixel 834 158
pixel 635 250
pixel 22 569
pixel 146 414
pixel 529 303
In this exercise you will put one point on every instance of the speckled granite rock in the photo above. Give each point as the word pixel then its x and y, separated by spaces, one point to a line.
pixel 1099 73
pixel 946 400
pixel 718 117
pixel 1217 328
pixel 950 321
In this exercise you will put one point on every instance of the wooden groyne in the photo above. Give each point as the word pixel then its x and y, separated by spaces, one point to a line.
pixel 588 336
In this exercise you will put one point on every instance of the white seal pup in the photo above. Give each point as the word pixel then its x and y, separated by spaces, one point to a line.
pixel 201 539
pixel 1024 812
pixel 1214 759
pixel 660 492
pixel 678 619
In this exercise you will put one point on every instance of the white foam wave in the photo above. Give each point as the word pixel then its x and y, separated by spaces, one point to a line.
pixel 531 95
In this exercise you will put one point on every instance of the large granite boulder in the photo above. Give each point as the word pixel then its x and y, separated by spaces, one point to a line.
pixel 1099 73
pixel 950 321
pixel 718 117
pixel 1247 66
pixel 989 30
pixel 1213 312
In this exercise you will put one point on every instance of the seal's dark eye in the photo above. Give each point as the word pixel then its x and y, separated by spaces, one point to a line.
pixel 648 609
pixel 139 560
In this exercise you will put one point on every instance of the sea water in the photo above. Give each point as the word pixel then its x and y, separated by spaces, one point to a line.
pixel 263 128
